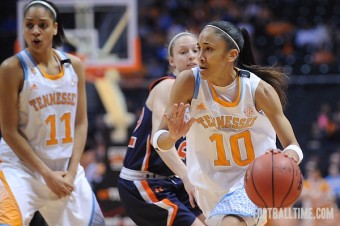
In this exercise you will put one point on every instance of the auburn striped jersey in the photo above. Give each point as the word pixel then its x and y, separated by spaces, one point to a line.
pixel 47 109
pixel 140 153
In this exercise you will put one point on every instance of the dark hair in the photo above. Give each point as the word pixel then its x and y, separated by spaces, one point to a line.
pixel 272 75
pixel 60 38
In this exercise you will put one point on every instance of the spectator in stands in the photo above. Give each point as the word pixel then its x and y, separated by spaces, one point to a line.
pixel 316 193
pixel 333 179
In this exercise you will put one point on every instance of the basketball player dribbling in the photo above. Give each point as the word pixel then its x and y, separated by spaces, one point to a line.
pixel 43 119
pixel 236 110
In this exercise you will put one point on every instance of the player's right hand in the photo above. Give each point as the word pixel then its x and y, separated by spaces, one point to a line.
pixel 57 183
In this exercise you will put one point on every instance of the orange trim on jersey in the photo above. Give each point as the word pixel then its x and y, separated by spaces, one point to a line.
pixel 223 102
pixel 132 142
pixel 53 77
pixel 175 208
pixel 148 191
pixel 9 211
pixel 154 199
pixel 145 166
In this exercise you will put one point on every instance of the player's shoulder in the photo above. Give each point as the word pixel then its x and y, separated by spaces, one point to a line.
pixel 186 77
pixel 265 88
pixel 75 60
pixel 161 88
pixel 11 66
pixel 162 81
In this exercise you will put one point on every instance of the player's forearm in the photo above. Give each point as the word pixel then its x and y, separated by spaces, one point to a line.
pixel 174 162
pixel 78 148
pixel 162 141
pixel 25 153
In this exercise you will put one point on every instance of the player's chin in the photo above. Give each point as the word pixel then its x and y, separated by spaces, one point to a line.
pixel 203 71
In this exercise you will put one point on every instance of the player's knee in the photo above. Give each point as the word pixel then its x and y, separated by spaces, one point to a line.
pixel 233 220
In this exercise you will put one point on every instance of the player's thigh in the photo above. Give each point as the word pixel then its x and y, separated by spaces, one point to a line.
pixel 21 193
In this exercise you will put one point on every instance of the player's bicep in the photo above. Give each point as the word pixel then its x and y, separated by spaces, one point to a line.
pixel 158 101
pixel 11 80
pixel 182 91
pixel 267 100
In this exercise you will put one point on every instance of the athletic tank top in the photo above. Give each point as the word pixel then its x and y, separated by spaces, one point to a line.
pixel 47 110
pixel 141 155
pixel 226 137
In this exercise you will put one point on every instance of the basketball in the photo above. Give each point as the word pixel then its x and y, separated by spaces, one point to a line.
pixel 273 180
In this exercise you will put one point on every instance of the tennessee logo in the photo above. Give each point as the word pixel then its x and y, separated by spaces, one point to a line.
pixel 159 189
pixel 201 107
pixel 248 111
pixel 33 70
pixel 34 86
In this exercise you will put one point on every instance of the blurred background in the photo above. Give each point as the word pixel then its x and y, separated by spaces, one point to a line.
pixel 123 45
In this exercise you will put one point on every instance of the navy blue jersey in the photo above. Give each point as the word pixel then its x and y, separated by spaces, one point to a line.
pixel 140 154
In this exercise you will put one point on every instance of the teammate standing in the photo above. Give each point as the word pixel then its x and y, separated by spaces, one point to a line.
pixel 44 126
pixel 150 191
pixel 236 110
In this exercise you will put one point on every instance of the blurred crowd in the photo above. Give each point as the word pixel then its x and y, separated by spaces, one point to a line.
pixel 301 36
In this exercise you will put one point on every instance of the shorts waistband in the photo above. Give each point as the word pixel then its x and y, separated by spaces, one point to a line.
pixel 129 174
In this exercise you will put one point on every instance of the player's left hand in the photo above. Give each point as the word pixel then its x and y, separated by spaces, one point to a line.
pixel 69 177
pixel 292 154
pixel 289 153
pixel 190 190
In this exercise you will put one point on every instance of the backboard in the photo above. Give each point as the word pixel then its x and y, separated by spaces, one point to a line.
pixel 103 32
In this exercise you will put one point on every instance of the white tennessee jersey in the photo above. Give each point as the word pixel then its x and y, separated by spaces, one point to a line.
pixel 225 138
pixel 47 109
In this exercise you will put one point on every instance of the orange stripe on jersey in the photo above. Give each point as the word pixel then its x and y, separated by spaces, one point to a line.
pixel 181 150
pixel 175 208
pixel 154 199
pixel 9 209
pixel 54 77
pixel 145 166
pixel 148 191
pixel 226 103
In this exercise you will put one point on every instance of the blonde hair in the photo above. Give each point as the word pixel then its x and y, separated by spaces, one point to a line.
pixel 172 41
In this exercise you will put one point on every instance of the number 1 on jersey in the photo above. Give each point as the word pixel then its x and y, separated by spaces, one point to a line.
pixel 51 120
pixel 222 158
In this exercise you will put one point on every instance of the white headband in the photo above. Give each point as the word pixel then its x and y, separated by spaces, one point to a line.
pixel 238 48
pixel 175 37
pixel 43 3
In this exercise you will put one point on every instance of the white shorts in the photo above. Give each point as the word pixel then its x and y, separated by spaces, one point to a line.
pixel 236 203
pixel 22 193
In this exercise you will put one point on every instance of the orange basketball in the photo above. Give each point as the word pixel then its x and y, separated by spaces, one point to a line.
pixel 273 180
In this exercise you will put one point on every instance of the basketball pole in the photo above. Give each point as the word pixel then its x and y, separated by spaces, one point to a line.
pixel 116 33
pixel 109 90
